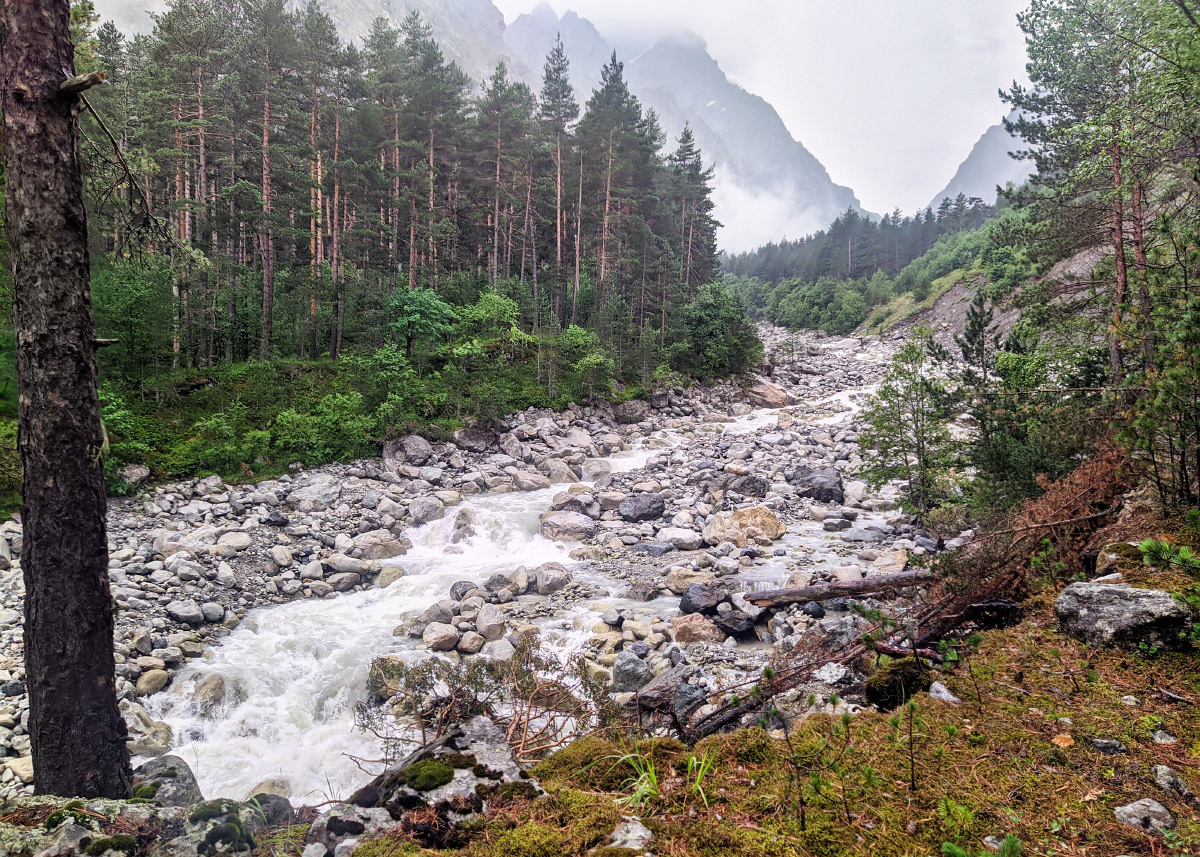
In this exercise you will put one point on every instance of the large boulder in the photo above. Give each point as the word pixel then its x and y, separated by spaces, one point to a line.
pixel 186 611
pixel 383 677
pixel 764 394
pixel 319 492
pixel 633 411
pixel 1118 615
pixel 642 507
pixel 456 773
pixel 567 526
pixel 823 484
pixel 630 673
pixel 694 628
pixel 551 577
pixel 682 539
pixel 173 782
pixel 703 598
pixel 414 450
pixel 477 439
pixel 426 509
pixel 742 524
pixel 379 544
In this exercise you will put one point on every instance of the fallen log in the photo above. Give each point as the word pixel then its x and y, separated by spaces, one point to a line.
pixel 826 591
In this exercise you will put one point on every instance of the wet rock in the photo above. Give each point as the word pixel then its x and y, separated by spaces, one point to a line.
pixel 567 526
pixel 679 579
pixel 735 624
pixel 208 694
pixel 344 581
pixel 147 736
pixel 558 471
pixel 642 507
pixel 426 509
pixel 527 480
pixel 490 622
pixel 378 544
pixel 630 673
pixel 703 598
pixel 439 637
pixel 750 486
pixel 551 577
pixel 1117 615
pixel 152 681
pixel 1147 815
pixel 821 484
pixel 176 784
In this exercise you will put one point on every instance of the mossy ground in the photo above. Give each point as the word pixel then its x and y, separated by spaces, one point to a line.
pixel 1003 763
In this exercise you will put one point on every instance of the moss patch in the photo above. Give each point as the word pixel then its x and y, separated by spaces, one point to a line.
pixel 427 775
pixel 122 842
pixel 896 682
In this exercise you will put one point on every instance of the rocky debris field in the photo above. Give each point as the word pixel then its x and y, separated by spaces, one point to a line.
pixel 731 498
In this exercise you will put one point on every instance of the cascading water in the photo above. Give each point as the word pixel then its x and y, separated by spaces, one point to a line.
pixel 293 673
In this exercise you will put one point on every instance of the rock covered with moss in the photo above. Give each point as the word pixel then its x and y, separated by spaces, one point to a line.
pixel 458 773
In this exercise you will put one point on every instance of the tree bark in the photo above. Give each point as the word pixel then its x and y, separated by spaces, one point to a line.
pixel 1115 358
pixel 76 731
pixel 267 237
pixel 826 591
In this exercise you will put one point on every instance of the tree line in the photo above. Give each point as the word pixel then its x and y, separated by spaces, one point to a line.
pixel 283 193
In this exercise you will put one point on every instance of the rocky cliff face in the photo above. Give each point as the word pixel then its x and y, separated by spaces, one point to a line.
pixel 987 166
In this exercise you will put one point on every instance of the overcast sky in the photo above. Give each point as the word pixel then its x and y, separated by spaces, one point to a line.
pixel 890 95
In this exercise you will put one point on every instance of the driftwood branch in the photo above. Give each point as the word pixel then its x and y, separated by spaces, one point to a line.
pixel 80 83
pixel 826 591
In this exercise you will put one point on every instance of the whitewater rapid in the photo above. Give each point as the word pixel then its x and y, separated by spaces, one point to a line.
pixel 293 673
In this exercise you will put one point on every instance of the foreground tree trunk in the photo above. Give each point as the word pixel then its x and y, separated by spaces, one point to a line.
pixel 77 733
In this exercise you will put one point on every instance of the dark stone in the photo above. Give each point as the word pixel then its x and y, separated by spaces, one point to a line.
pixel 652 548
pixel 633 411
pixel 277 519
pixel 497 582
pixel 750 486
pixel 642 507
pixel 459 590
pixel 703 598
pixel 15 687
pixel 688 697
pixel 477 439
pixel 813 609
pixel 659 399
pixel 1109 746
pixel 275 810
pixel 735 624
pixel 823 484
pixel 630 673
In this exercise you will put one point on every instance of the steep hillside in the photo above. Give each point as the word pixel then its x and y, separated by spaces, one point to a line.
pixel 987 166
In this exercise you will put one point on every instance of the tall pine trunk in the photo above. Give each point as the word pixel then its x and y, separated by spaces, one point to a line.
pixel 76 731
pixel 1115 360
pixel 266 236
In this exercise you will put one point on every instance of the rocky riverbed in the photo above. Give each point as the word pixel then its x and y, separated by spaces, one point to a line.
pixel 655 519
